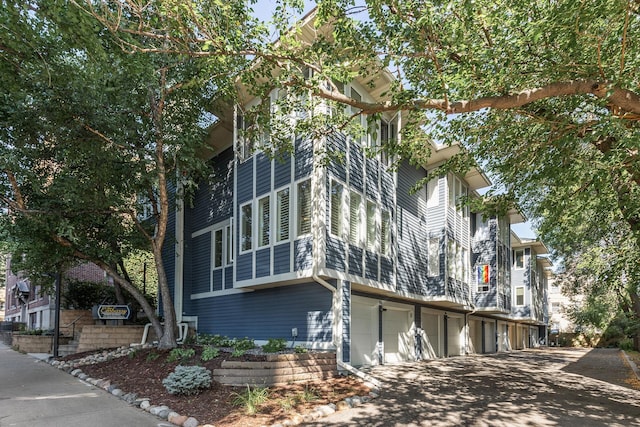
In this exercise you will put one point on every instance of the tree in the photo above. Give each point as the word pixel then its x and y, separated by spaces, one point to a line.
pixel 91 135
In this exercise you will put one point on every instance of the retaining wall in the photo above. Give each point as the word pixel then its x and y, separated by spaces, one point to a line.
pixel 36 343
pixel 94 337
pixel 278 369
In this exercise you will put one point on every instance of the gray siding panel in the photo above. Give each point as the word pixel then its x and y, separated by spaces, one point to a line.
pixel 386 270
pixel 245 181
pixel 356 167
pixel 355 260
pixel 217 279
pixel 282 258
pixel 337 146
pixel 270 313
pixel 282 172
pixel 373 168
pixel 213 201
pixel 263 174
pixel 336 254
pixel 371 265
pixel 201 263
pixel 244 266
pixel 263 262
pixel 387 190
pixel 228 277
pixel 303 254
pixel 345 289
pixel 303 158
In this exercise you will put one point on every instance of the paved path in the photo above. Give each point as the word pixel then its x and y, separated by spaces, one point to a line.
pixel 550 387
pixel 35 394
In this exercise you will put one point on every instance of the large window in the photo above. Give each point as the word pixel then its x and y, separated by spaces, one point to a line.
pixel 282 212
pixel 304 207
pixel 457 190
pixel 434 257
pixel 264 220
pixel 388 137
pixel 246 234
pixel 519 295
pixel 245 143
pixel 385 233
pixel 433 193
pixel 360 119
pixel 372 227
pixel 355 219
pixel 218 248
pixel 337 209
pixel 518 259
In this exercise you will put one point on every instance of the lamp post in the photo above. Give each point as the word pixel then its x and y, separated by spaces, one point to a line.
pixel 56 330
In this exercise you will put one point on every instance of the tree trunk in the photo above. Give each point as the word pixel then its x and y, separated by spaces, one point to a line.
pixel 635 302
pixel 168 338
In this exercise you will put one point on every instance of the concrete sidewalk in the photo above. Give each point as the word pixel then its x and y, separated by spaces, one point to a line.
pixel 34 394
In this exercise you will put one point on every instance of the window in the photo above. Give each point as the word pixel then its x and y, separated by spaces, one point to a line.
pixel 337 195
pixel 245 231
pixel 360 119
pixel 385 234
pixel 388 137
pixel 354 218
pixel 244 141
pixel 518 259
pixel 434 257
pixel 282 211
pixel 372 229
pixel 228 245
pixel 483 277
pixel 304 207
pixel 519 295
pixel 264 218
pixel 457 190
pixel 217 248
pixel 433 193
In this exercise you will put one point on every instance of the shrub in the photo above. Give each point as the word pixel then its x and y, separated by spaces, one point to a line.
pixel 243 344
pixel 181 354
pixel 238 352
pixel 300 349
pixel 251 399
pixel 209 352
pixel 187 380
pixel 274 345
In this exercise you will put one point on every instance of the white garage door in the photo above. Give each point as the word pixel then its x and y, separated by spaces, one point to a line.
pixel 364 333
pixel 475 336
pixel 454 330
pixel 490 337
pixel 396 335
pixel 431 327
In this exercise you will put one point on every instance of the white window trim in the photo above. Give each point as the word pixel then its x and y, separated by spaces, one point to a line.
pixel 259 222
pixel 252 228
pixel 361 225
pixel 515 296
pixel 296 223
pixel 515 257
pixel 343 233
pixel 276 217
pixel 376 225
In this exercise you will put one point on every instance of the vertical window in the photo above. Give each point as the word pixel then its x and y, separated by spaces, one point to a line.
pixel 355 95
pixel 245 231
pixel 304 207
pixel 354 218
pixel 282 210
pixel 519 295
pixel 372 228
pixel 518 259
pixel 244 141
pixel 264 218
pixel 433 196
pixel 434 257
pixel 217 249
pixel 337 194
pixel 385 234
pixel 228 245
pixel 387 138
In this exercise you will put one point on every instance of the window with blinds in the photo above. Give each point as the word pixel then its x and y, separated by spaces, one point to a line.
pixel 264 218
pixel 337 192
pixel 372 229
pixel 282 212
pixel 304 207
pixel 354 218
pixel 245 228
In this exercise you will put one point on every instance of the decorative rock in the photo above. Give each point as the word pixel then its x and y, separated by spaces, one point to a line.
pixel 343 405
pixel 117 392
pixel 157 409
pixel 325 410
pixel 373 395
pixel 164 414
pixel 356 400
pixel 129 398
pixel 145 405
pixel 111 387
pixel 190 422
pixel 365 399
pixel 177 419
pixel 297 419
pixel 307 418
pixel 76 372
pixel 138 401
pixel 83 376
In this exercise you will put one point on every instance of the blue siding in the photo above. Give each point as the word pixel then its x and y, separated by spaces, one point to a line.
pixel 387 190
pixel 336 253
pixel 201 263
pixel 282 172
pixel 303 254
pixel 217 279
pixel 303 158
pixel 371 265
pixel 282 258
pixel 213 201
pixel 228 277
pixel 270 313
pixel 263 174
pixel 345 288
pixel 386 270
pixel 373 168
pixel 356 166
pixel 263 262
pixel 337 145
pixel 355 260
pixel 245 181
pixel 244 266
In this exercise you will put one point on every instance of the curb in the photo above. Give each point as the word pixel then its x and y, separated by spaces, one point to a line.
pixel 631 364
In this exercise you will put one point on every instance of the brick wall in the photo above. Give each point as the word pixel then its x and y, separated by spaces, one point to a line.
pixel 101 336
pixel 35 343
pixel 81 317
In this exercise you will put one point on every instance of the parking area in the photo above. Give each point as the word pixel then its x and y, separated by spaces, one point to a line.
pixel 541 387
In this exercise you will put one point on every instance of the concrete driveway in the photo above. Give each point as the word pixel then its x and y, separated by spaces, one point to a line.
pixel 550 387
pixel 35 394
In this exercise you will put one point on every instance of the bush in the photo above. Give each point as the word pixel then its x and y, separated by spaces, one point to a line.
pixel 243 344
pixel 300 349
pixel 274 345
pixel 181 355
pixel 209 352
pixel 187 380
pixel 251 399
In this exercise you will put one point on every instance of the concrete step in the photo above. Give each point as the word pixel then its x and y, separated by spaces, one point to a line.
pixel 67 349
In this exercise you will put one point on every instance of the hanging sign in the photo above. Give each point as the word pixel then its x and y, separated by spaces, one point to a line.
pixel 113 312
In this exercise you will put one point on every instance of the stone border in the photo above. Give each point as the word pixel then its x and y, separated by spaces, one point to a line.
pixel 165 413
pixel 631 364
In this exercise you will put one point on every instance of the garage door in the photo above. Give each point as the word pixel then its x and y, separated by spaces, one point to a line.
pixel 475 336
pixel 396 335
pixel 490 337
pixel 431 327
pixel 364 333
pixel 454 330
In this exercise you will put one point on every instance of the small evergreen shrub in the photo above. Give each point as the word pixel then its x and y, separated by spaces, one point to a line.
pixel 187 380
pixel 274 345
pixel 209 352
